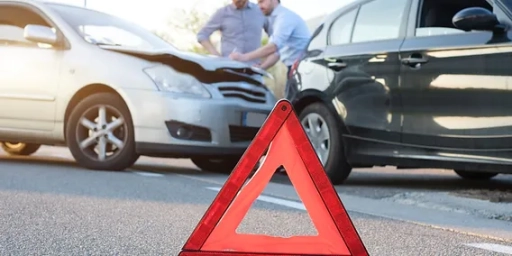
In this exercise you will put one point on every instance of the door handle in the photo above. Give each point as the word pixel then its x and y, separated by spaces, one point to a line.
pixel 337 66
pixel 414 61
pixel 411 60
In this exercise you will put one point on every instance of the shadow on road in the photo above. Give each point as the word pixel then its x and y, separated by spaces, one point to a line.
pixel 418 181
pixel 38 160
pixel 374 184
pixel 48 179
pixel 381 185
pixel 68 163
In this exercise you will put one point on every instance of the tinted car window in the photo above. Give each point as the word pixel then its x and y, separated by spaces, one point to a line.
pixel 342 27
pixel 436 16
pixel 379 20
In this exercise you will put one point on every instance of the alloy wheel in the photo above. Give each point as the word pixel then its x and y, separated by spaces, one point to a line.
pixel 318 133
pixel 101 132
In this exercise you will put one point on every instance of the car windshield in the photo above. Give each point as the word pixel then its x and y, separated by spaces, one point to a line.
pixel 100 28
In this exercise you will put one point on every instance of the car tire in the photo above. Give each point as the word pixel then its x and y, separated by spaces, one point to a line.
pixel 336 166
pixel 86 133
pixel 469 175
pixel 224 165
pixel 19 148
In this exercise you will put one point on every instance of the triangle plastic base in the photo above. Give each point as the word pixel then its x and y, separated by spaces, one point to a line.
pixel 203 253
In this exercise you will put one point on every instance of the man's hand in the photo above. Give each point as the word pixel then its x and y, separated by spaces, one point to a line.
pixel 209 47
pixel 261 52
pixel 270 61
pixel 238 56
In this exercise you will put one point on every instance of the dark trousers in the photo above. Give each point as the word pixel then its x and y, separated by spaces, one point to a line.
pixel 287 83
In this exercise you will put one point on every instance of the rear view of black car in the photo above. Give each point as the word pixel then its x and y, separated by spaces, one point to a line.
pixel 412 84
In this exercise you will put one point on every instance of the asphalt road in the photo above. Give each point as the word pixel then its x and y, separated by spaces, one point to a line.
pixel 50 206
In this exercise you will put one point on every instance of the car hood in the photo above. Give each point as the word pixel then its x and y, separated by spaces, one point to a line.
pixel 208 62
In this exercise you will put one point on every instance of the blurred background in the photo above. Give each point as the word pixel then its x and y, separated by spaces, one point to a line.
pixel 179 21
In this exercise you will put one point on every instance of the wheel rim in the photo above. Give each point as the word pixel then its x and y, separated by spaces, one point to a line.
pixel 13 145
pixel 319 135
pixel 101 132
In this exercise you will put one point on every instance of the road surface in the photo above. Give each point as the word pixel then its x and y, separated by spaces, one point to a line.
pixel 50 206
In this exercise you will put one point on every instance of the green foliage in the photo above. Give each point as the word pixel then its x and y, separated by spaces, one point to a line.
pixel 186 22
pixel 191 21
pixel 264 41
pixel 199 49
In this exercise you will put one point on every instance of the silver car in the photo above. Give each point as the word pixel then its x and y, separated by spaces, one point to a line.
pixel 111 91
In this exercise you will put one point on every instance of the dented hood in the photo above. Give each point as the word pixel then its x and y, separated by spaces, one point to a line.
pixel 210 63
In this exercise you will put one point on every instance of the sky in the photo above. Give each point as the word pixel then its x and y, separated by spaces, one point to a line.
pixel 154 14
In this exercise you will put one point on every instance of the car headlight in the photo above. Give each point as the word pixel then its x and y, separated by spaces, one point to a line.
pixel 167 79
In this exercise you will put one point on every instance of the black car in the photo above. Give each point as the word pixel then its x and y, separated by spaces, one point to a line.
pixel 411 84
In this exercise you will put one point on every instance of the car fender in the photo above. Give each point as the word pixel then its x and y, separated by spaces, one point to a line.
pixel 308 96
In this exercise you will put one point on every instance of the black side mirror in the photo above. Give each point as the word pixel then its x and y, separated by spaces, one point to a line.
pixel 475 18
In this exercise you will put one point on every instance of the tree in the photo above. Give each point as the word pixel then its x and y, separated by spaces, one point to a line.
pixel 186 24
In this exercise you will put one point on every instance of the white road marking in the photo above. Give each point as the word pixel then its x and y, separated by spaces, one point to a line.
pixel 493 247
pixel 273 200
pixel 149 174
pixel 300 206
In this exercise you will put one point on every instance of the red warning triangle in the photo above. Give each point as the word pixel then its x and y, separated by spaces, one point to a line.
pixel 289 146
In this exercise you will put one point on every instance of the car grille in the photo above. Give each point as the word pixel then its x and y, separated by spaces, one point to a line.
pixel 250 95
pixel 241 133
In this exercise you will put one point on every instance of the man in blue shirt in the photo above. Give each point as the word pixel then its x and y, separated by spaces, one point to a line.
pixel 241 25
pixel 289 36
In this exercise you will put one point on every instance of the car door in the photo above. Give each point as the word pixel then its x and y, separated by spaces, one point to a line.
pixel 29 73
pixel 363 67
pixel 456 85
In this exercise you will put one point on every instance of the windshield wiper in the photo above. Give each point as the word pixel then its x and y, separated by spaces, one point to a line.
pixel 107 44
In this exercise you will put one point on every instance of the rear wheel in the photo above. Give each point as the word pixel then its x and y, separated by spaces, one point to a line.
pixel 19 148
pixel 468 175
pixel 223 165
pixel 100 133
pixel 325 136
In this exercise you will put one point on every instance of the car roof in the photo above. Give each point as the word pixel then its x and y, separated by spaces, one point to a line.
pixel 22 1
pixel 39 2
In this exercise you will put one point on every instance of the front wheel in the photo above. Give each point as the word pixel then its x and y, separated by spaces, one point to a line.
pixel 223 165
pixel 325 136
pixel 19 148
pixel 469 175
pixel 100 133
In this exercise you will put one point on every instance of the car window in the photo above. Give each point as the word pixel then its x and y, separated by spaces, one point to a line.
pixel 111 35
pixel 436 31
pixel 13 20
pixel 379 20
pixel 341 28
pixel 101 28
pixel 436 17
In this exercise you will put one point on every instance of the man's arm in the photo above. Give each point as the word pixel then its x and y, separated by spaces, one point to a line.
pixel 261 52
pixel 213 24
pixel 270 61
pixel 282 31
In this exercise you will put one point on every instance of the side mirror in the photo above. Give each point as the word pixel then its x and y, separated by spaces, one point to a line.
pixel 40 34
pixel 475 18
